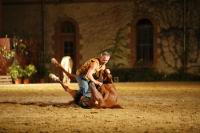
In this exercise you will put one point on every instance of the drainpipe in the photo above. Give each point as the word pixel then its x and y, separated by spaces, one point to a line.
pixel 1 17
pixel 184 36
pixel 42 32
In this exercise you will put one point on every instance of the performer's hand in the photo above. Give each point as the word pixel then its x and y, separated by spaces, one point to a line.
pixel 107 71
pixel 98 83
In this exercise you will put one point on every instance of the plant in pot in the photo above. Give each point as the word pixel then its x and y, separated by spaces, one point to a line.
pixel 20 46
pixel 6 59
pixel 16 72
pixel 28 72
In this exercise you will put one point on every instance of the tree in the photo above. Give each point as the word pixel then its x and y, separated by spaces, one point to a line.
pixel 119 48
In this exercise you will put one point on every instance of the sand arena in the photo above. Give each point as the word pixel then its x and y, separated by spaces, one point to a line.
pixel 147 108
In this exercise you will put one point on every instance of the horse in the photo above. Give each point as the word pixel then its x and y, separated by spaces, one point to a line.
pixel 104 96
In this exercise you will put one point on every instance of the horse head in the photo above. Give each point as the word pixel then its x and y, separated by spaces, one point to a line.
pixel 107 77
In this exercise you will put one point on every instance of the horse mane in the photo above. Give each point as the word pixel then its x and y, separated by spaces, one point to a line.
pixel 107 77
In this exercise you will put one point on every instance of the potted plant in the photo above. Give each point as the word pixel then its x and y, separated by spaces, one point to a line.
pixel 6 59
pixel 20 46
pixel 28 72
pixel 16 72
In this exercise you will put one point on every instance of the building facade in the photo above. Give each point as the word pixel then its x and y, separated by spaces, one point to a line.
pixel 158 34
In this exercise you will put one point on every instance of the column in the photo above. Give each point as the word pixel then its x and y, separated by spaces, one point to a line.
pixel 1 21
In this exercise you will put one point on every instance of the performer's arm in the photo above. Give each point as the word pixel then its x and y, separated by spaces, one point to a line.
pixel 90 73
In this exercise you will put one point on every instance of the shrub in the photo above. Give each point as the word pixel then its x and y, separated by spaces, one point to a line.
pixel 15 71
pixel 149 74
pixel 29 71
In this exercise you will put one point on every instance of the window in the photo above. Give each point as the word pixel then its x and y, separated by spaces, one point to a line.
pixel 69 49
pixel 67 27
pixel 67 41
pixel 144 43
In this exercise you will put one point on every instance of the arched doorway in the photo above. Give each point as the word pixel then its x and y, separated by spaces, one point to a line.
pixel 68 29
pixel 67 41
pixel 144 43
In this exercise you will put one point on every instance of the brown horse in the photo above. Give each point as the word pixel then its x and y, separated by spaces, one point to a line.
pixel 102 97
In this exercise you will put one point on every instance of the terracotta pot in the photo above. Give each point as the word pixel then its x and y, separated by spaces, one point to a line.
pixel 26 81
pixel 18 81
pixel 42 80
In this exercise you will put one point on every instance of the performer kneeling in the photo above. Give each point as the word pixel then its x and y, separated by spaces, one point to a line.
pixel 105 96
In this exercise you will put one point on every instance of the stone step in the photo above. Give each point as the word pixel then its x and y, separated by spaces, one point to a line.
pixel 5 79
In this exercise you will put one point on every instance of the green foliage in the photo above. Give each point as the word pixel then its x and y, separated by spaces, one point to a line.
pixel 29 71
pixel 20 45
pixel 8 54
pixel 137 74
pixel 148 74
pixel 15 71
pixel 119 48
pixel 180 76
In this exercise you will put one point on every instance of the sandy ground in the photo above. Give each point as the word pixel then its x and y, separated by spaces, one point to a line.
pixel 147 108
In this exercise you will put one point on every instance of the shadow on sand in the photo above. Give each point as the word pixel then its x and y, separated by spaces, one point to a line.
pixel 43 104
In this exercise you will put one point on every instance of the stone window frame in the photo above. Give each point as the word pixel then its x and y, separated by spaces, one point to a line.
pixel 58 37
pixel 133 41
pixel 145 44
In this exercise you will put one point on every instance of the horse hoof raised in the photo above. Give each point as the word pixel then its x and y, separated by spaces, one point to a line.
pixel 54 77
pixel 54 61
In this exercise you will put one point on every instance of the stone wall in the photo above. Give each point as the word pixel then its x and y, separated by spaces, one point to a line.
pixel 98 24
pixel 23 20
pixel 174 49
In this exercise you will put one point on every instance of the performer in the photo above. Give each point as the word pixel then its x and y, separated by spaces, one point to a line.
pixel 87 73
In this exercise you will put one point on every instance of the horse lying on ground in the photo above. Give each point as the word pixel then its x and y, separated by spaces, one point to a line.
pixel 103 97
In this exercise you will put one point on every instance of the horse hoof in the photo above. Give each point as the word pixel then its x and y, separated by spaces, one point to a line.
pixel 54 61
pixel 54 77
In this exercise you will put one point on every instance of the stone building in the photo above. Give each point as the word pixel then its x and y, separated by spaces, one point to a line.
pixel 159 34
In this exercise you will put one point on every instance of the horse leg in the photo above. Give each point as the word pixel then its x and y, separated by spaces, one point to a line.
pixel 96 95
pixel 66 88
pixel 55 62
